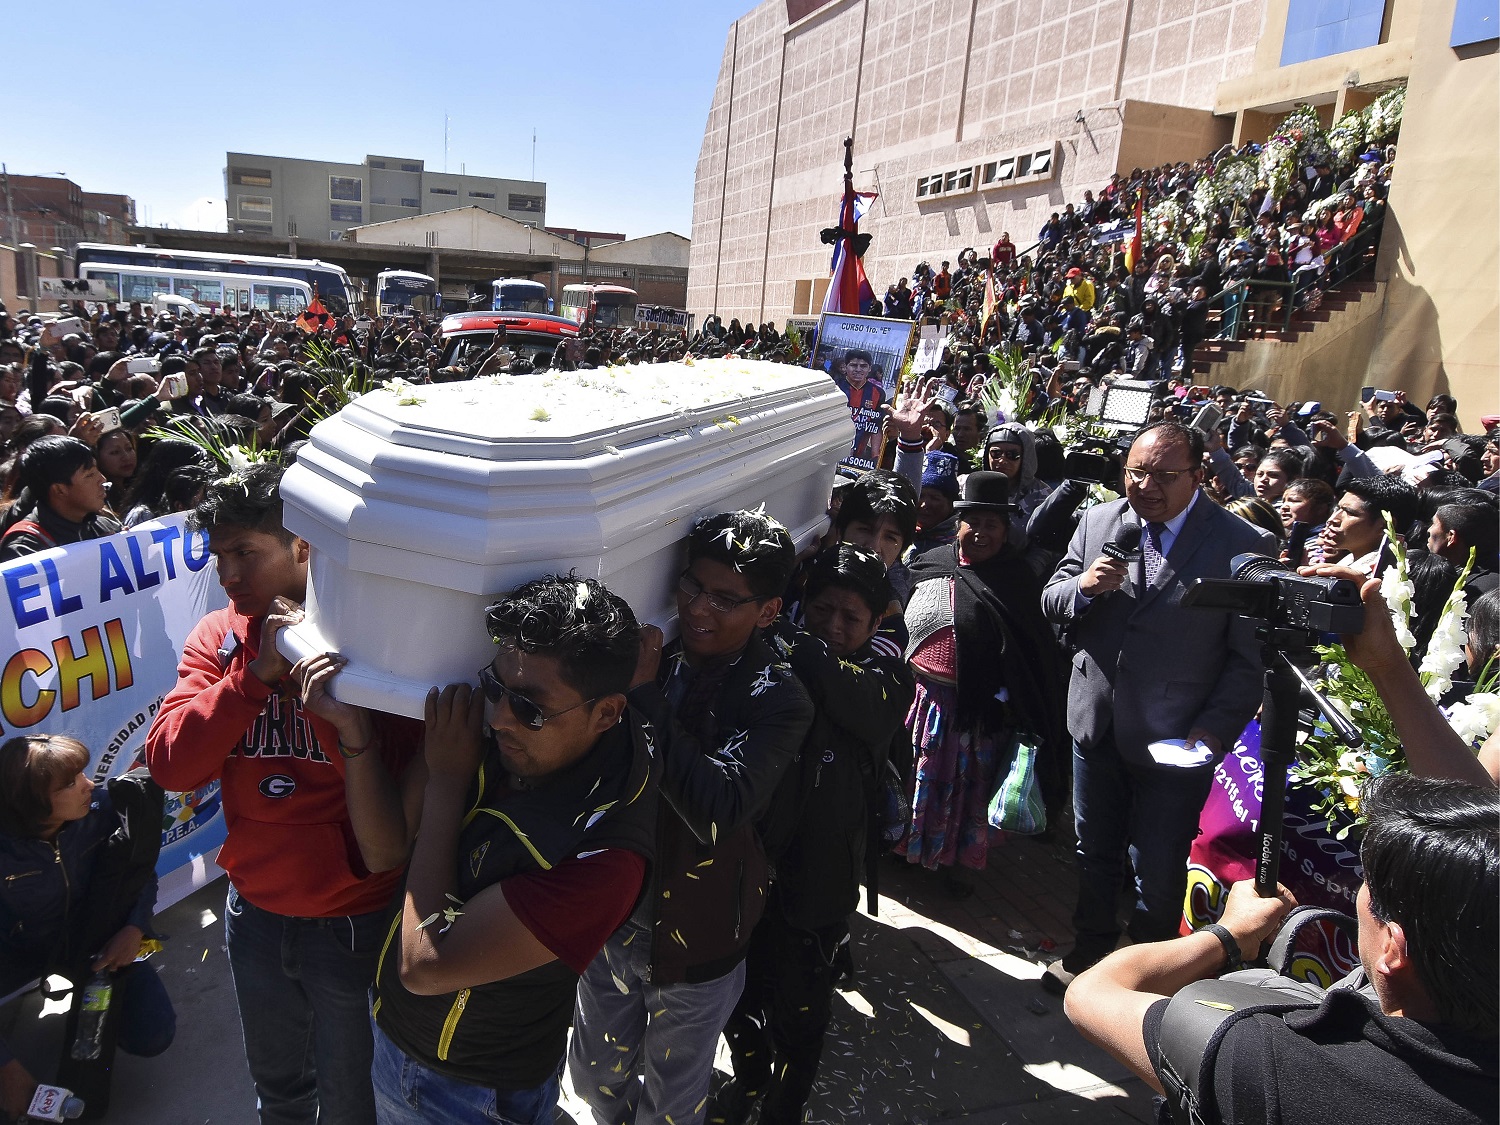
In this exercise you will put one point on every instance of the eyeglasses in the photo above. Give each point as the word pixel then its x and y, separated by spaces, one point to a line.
pixel 1162 477
pixel 527 713
pixel 1004 454
pixel 687 584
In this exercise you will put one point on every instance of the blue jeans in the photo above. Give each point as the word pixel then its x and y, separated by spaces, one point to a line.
pixel 408 1093
pixel 303 986
pixel 148 1023
pixel 641 1051
pixel 1149 813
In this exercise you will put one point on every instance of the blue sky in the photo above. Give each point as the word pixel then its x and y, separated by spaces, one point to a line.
pixel 145 98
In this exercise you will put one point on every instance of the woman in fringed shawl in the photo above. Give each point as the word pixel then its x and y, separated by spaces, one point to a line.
pixel 987 667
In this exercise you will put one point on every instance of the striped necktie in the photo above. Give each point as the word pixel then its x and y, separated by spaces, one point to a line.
pixel 1152 553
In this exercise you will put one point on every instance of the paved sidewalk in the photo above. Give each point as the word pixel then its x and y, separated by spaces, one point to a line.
pixel 945 1021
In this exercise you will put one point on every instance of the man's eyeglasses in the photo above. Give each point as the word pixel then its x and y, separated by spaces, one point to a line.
pixel 527 713
pixel 1163 477
pixel 687 584
pixel 1004 454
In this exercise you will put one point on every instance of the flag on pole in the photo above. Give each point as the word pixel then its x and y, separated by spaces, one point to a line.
pixel 314 318
pixel 1134 252
pixel 849 289
pixel 990 301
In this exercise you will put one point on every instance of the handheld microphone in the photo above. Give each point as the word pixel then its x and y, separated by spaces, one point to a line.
pixel 1125 547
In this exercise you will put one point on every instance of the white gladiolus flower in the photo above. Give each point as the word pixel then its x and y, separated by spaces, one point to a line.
pixel 238 460
pixel 1445 652
pixel 1476 718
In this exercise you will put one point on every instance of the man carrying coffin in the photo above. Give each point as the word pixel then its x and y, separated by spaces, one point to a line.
pixel 535 833
pixel 730 716
pixel 308 888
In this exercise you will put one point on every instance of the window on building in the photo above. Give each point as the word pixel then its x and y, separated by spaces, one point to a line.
pixel 411 203
pixel 346 187
pixel 481 195
pixel 411 167
pixel 346 212
pixel 378 201
pixel 377 164
pixel 250 177
pixel 255 206
pixel 442 191
pixel 335 236
pixel 525 203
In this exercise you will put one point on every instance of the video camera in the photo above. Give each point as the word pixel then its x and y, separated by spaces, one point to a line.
pixel 1269 591
pixel 1122 407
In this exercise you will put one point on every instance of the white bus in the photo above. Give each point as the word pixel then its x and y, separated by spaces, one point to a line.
pixel 517 294
pixel 330 282
pixel 605 306
pixel 398 290
pixel 234 292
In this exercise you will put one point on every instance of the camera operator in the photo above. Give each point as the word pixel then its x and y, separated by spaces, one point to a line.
pixel 1410 1033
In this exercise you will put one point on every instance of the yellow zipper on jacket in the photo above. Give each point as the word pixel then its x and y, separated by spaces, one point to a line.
pixel 450 1025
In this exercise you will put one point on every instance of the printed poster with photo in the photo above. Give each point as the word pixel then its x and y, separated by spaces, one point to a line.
pixel 864 356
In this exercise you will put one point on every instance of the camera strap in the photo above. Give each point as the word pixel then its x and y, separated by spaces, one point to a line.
pixel 1194 1026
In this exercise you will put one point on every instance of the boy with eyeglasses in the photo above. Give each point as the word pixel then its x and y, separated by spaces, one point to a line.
pixel 729 717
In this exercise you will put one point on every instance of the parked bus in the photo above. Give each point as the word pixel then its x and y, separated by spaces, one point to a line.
pixel 236 292
pixel 516 294
pixel 330 282
pixel 604 306
pixel 397 290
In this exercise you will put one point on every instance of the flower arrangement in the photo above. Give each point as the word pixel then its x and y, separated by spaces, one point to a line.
pixel 1347 136
pixel 1383 117
pixel 1337 772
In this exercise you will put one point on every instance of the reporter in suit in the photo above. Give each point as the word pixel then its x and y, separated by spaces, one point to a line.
pixel 1146 668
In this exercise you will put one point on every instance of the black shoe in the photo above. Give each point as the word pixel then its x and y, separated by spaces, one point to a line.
pixel 731 1105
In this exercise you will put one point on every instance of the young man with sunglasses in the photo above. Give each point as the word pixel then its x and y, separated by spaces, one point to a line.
pixel 1146 669
pixel 729 717
pixel 535 834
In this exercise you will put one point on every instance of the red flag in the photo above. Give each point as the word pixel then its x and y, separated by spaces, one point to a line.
pixel 314 318
pixel 848 289
pixel 1134 252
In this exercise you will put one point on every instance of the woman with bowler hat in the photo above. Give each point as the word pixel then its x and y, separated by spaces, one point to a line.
pixel 987 669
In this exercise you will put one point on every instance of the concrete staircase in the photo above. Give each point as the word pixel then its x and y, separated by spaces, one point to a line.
pixel 1215 361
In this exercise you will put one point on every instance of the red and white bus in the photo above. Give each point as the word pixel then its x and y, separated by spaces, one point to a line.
pixel 601 306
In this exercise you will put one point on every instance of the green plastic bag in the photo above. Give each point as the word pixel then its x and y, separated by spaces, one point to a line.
pixel 1017 805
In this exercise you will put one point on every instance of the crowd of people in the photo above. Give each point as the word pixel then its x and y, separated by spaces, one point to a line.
pixel 649 845
pixel 1199 269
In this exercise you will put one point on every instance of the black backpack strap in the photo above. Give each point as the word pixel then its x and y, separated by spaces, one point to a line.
pixel 1195 1023
pixel 29 527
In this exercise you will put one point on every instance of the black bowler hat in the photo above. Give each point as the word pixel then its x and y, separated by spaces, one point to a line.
pixel 986 491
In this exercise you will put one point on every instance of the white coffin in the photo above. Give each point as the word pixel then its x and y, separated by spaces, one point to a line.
pixel 422 506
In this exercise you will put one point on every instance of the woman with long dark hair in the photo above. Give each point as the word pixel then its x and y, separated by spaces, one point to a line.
pixel 77 890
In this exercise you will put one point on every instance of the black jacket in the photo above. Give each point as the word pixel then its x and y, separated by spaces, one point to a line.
pixel 708 886
pixel 818 827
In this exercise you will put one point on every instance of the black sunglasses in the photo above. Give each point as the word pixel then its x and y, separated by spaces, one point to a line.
pixel 527 713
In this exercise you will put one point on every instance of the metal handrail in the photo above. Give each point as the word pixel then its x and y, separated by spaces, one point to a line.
pixel 1344 261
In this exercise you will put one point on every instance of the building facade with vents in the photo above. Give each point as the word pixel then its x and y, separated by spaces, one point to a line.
pixel 975 117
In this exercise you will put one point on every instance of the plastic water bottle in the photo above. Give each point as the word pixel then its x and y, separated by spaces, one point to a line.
pixel 89 1039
